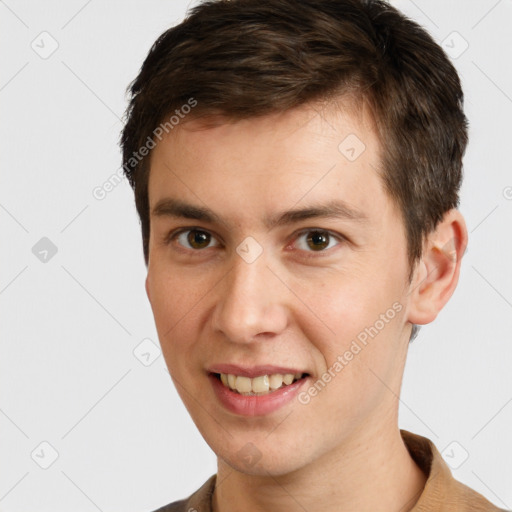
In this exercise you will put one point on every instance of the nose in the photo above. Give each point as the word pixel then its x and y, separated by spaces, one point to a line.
pixel 250 302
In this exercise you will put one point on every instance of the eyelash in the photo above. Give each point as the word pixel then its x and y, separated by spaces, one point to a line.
pixel 337 236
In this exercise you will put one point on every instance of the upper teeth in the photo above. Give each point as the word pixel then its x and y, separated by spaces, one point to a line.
pixel 258 385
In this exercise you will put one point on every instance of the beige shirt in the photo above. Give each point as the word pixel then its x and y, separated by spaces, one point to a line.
pixel 442 493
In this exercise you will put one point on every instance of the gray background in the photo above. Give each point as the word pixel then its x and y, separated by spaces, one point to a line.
pixel 84 389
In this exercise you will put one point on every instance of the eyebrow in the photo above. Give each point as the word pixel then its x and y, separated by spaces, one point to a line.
pixel 338 209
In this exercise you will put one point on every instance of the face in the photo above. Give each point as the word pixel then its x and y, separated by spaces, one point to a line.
pixel 275 248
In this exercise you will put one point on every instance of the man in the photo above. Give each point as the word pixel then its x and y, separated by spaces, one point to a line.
pixel 296 168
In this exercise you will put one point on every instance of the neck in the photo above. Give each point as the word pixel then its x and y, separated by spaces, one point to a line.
pixel 374 472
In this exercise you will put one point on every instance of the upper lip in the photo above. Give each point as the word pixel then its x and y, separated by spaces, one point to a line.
pixel 252 371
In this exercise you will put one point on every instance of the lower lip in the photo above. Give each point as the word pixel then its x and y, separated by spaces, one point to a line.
pixel 255 405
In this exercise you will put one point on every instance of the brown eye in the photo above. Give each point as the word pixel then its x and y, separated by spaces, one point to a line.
pixel 318 240
pixel 194 239
pixel 198 239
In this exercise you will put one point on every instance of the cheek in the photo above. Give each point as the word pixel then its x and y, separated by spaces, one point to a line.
pixel 358 317
pixel 174 293
pixel 346 303
pixel 175 302
pixel 362 362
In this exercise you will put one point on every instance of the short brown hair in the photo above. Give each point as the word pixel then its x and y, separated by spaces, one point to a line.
pixel 248 58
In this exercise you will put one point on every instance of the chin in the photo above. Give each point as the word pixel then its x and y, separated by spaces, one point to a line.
pixel 261 469
pixel 250 460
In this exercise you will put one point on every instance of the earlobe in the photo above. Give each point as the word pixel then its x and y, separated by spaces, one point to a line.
pixel 437 273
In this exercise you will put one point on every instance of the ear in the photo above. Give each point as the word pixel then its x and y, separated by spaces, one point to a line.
pixel 437 273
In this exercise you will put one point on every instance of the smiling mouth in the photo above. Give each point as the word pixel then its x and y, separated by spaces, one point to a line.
pixel 258 386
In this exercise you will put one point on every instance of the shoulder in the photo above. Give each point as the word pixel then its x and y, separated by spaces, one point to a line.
pixel 175 506
pixel 199 501
pixel 442 491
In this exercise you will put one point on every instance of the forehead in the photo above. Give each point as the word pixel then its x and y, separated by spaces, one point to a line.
pixel 326 123
pixel 311 154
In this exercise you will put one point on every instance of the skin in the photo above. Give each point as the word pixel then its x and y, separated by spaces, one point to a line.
pixel 343 450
